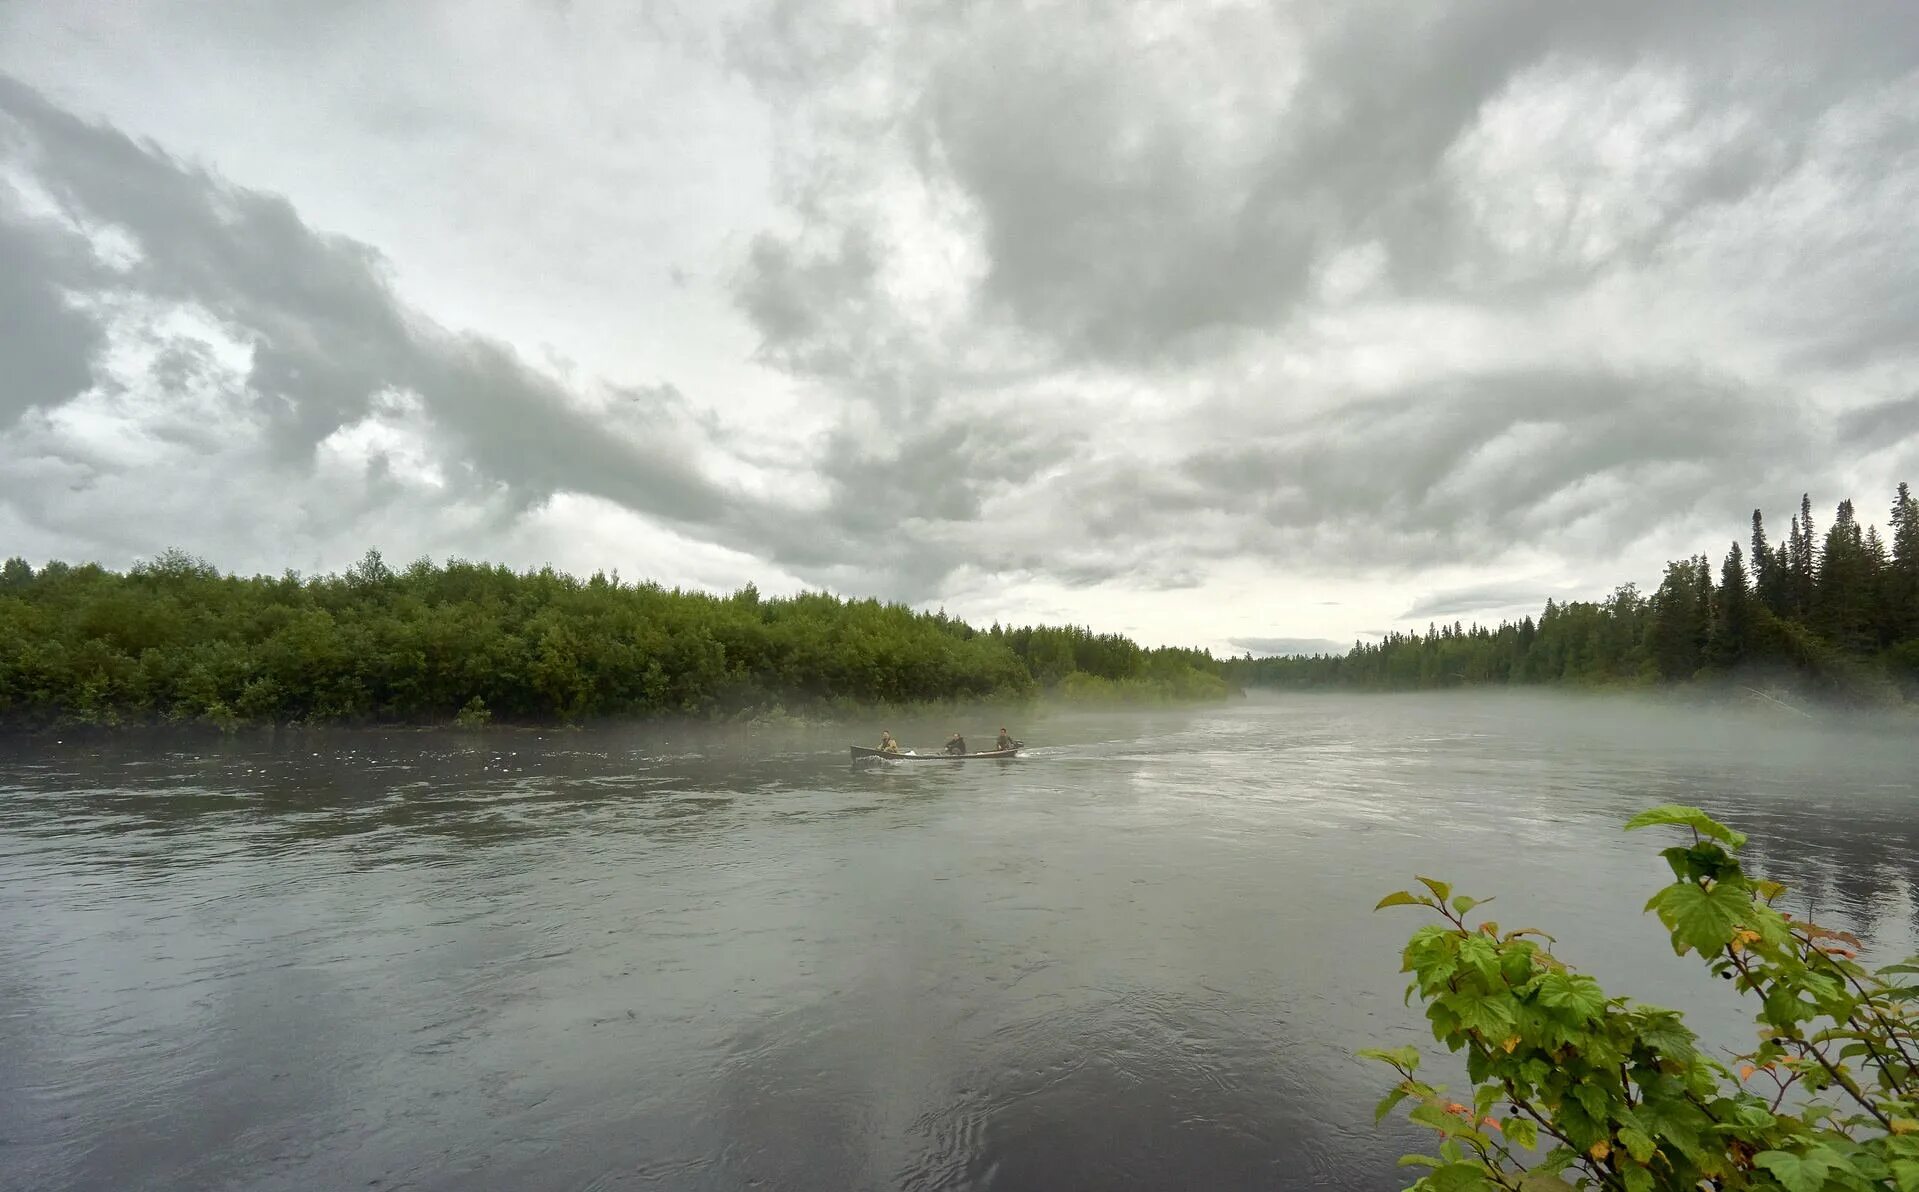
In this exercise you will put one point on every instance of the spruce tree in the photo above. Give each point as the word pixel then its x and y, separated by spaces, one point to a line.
pixel 1732 615
pixel 1879 600
pixel 1780 570
pixel 1902 588
pixel 1843 611
pixel 1763 581
pixel 1806 569
pixel 1794 551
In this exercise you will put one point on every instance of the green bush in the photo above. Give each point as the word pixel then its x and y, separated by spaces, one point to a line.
pixel 1574 1087
pixel 474 714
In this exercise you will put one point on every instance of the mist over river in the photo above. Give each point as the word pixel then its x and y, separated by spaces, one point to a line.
pixel 1139 956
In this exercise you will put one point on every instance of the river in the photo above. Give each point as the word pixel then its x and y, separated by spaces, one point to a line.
pixel 1139 956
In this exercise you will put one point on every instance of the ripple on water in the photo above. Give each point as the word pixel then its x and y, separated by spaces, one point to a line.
pixel 1139 957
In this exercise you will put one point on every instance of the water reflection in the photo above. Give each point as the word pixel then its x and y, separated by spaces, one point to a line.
pixel 1138 957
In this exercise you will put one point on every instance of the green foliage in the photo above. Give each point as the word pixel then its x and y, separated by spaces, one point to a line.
pixel 474 714
pixel 1841 619
pixel 174 639
pixel 1619 1095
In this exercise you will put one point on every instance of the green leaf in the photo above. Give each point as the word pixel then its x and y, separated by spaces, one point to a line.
pixel 1401 1057
pixel 1441 890
pixel 1699 918
pixel 1480 954
pixel 1419 1161
pixel 1576 993
pixel 1433 1117
pixel 1388 1103
pixel 1666 1032
pixel 1677 857
pixel 1460 1177
pixel 1751 1115
pixel 1905 1173
pixel 1689 817
pixel 1483 1101
pixel 1594 1101
pixel 1768 890
pixel 1795 1173
pixel 1638 1145
pixel 1521 1132
pixel 1543 1181
pixel 1863 1164
pixel 1401 898
pixel 1492 1015
pixel 1464 903
pixel 1638 1179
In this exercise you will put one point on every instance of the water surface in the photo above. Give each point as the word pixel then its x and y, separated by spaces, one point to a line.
pixel 1139 957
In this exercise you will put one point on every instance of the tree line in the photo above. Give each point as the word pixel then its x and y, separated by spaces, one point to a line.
pixel 1836 611
pixel 175 639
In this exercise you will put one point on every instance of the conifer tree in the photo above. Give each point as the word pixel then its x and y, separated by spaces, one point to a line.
pixel 1902 588
pixel 1732 614
pixel 1764 578
pixel 1806 569
pixel 1795 554
pixel 1842 611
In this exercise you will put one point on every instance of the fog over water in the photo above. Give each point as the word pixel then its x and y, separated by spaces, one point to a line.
pixel 1139 956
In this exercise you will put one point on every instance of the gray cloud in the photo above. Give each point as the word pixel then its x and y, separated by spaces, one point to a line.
pixel 1481 598
pixel 1093 298
pixel 48 346
pixel 1463 471
pixel 797 300
pixel 326 333
pixel 1290 647
pixel 1129 199
pixel 1882 422
pixel 1139 217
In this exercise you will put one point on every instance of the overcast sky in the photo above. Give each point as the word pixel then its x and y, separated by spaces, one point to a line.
pixel 1245 325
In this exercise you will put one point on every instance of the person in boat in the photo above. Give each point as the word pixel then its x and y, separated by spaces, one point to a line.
pixel 956 744
pixel 887 743
pixel 1004 742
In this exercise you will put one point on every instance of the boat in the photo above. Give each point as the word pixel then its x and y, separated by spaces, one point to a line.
pixel 860 751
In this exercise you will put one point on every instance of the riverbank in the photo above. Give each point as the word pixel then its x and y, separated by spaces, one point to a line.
pixel 856 718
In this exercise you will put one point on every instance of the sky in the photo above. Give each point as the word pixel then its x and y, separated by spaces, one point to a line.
pixel 1251 326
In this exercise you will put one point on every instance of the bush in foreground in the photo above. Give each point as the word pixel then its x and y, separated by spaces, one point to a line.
pixel 1576 1088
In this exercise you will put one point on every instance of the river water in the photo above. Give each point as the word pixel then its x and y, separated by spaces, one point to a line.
pixel 1138 957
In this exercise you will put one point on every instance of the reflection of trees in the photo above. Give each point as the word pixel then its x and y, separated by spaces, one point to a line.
pixel 1848 849
pixel 380 794
pixel 1849 866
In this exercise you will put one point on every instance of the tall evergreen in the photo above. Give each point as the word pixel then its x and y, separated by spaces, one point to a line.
pixel 1731 614
pixel 1842 607
pixel 1765 575
pixel 1795 553
pixel 1806 569
pixel 1902 587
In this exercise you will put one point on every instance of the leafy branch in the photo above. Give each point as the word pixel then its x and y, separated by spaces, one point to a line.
pixel 1621 1090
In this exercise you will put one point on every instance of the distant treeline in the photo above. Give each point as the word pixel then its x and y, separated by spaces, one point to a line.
pixel 1837 613
pixel 175 639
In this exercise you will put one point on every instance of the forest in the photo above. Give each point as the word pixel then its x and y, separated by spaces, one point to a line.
pixel 1833 614
pixel 176 640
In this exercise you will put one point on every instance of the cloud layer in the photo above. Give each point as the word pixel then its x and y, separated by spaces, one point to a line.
pixel 1069 309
